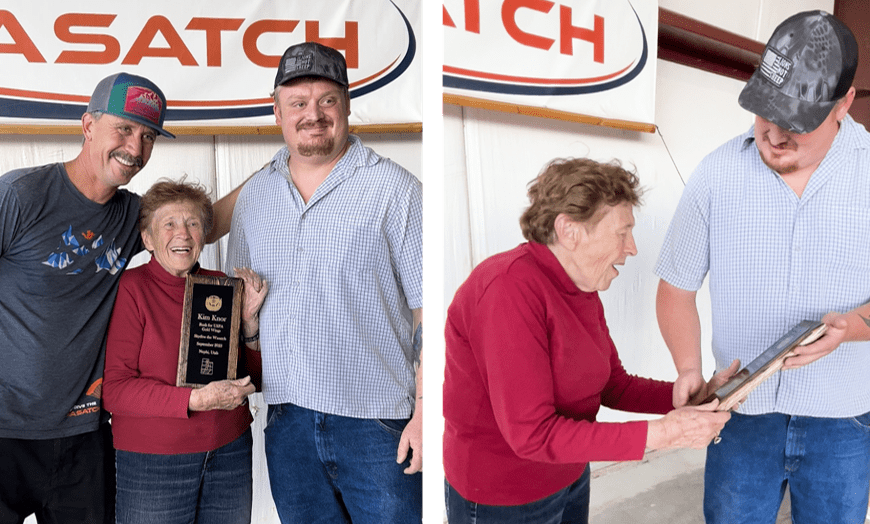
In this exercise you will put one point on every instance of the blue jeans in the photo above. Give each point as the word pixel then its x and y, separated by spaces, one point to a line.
pixel 824 461
pixel 567 506
pixel 215 487
pixel 332 469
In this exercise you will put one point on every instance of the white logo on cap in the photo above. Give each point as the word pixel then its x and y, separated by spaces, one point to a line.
pixel 298 63
pixel 775 67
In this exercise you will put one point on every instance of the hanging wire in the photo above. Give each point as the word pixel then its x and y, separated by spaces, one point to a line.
pixel 670 155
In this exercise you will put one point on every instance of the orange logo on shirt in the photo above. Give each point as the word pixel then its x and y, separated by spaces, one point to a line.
pixel 96 389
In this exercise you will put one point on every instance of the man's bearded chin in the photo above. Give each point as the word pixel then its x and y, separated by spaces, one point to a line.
pixel 781 168
pixel 317 147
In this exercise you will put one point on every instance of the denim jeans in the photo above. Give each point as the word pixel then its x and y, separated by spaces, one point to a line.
pixel 215 487
pixel 333 469
pixel 825 462
pixel 567 506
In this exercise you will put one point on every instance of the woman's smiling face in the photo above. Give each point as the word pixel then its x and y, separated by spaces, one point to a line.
pixel 176 236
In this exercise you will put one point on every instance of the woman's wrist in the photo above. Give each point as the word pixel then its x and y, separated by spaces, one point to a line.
pixel 193 403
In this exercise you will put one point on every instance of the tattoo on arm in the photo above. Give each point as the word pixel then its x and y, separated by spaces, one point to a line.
pixel 866 320
pixel 417 341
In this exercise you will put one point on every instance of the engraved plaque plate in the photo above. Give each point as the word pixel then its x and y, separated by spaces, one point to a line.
pixel 209 348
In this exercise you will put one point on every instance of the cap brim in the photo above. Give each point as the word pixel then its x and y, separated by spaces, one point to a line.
pixel 307 74
pixel 792 114
pixel 147 123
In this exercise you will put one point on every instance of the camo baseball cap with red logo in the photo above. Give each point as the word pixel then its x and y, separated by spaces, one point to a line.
pixel 132 97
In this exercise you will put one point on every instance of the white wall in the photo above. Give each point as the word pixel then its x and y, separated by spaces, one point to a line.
pixel 489 157
pixel 221 163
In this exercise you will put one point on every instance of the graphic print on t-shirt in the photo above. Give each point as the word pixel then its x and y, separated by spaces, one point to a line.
pixel 91 401
pixel 70 248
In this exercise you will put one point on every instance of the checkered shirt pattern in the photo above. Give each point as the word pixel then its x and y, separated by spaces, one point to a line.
pixel 344 272
pixel 775 259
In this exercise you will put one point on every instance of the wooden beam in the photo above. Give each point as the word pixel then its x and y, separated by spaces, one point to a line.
pixel 504 107
pixel 33 129
pixel 693 43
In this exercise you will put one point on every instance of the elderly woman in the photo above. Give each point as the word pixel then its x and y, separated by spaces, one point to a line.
pixel 182 454
pixel 530 361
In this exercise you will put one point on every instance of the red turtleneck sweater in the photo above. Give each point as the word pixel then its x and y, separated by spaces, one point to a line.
pixel 149 413
pixel 529 363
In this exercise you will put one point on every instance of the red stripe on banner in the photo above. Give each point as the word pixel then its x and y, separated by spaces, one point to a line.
pixel 39 95
pixel 530 80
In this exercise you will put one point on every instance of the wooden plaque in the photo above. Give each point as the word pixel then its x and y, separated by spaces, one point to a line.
pixel 751 376
pixel 209 348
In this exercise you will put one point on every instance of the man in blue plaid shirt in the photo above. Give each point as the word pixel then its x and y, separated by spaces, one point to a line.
pixel 779 219
pixel 336 231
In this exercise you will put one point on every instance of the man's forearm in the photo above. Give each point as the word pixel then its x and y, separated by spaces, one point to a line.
pixel 417 344
pixel 680 325
pixel 223 213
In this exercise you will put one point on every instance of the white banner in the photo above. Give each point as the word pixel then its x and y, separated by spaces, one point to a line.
pixel 589 57
pixel 215 60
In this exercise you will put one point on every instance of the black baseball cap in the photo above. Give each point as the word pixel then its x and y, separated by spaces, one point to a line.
pixel 132 97
pixel 311 59
pixel 807 66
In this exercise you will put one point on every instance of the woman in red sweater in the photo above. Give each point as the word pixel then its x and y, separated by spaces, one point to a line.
pixel 182 454
pixel 530 361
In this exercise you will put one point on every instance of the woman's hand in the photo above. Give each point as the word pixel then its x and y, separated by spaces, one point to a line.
pixel 221 394
pixel 718 380
pixel 255 293
pixel 687 427
pixel 688 384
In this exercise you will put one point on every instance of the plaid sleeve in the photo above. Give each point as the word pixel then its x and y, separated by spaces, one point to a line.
pixel 685 255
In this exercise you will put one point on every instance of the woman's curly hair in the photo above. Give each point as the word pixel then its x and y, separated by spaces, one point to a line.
pixel 579 188
pixel 166 191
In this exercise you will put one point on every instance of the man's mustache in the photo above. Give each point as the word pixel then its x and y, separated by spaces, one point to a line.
pixel 320 122
pixel 129 159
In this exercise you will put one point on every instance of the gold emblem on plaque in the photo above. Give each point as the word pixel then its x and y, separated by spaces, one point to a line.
pixel 213 303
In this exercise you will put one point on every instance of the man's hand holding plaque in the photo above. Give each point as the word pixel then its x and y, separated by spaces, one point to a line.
pixel 732 393
pixel 254 295
pixel 807 353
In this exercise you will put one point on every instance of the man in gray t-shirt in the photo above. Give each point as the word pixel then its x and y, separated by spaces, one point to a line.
pixel 66 233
